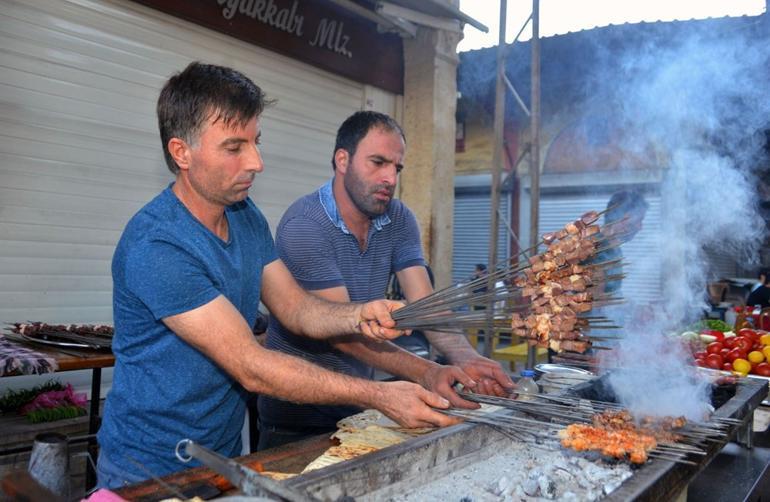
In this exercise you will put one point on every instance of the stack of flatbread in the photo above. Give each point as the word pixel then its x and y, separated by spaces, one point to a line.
pixel 363 433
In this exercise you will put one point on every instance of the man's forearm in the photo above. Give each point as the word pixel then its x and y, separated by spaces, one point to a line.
pixel 451 346
pixel 320 319
pixel 294 379
pixel 385 356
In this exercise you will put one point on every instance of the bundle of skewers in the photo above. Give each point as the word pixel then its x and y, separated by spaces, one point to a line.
pixel 545 300
pixel 607 428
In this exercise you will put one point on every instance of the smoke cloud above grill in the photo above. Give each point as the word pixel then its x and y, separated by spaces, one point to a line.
pixel 699 102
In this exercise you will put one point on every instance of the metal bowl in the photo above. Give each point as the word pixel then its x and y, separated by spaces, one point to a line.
pixel 544 368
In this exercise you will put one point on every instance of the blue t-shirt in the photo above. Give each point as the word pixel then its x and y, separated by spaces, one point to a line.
pixel 321 253
pixel 164 389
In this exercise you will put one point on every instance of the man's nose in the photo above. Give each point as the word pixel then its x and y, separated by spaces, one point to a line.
pixel 254 160
pixel 390 175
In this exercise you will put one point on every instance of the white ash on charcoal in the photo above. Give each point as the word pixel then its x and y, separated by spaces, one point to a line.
pixel 524 472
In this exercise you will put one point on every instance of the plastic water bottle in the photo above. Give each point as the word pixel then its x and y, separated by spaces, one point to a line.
pixel 526 386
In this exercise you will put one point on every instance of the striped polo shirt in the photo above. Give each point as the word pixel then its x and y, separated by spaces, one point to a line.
pixel 321 253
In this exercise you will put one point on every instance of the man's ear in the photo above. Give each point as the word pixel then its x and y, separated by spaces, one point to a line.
pixel 180 152
pixel 341 159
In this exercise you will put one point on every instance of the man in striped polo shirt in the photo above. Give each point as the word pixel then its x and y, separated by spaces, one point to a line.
pixel 342 242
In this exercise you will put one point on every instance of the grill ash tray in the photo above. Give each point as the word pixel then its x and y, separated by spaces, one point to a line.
pixel 402 469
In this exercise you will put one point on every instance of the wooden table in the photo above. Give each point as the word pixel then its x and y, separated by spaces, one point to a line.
pixel 206 483
pixel 70 359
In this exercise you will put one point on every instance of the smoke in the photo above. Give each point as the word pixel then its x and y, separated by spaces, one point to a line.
pixel 699 101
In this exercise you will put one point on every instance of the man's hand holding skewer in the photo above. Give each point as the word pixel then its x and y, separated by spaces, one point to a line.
pixel 375 320
pixel 442 379
pixel 488 374
pixel 411 405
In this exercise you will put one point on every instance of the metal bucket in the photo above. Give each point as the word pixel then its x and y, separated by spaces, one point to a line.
pixel 49 462
pixel 554 377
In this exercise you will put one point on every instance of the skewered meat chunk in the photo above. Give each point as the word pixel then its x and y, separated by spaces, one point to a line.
pixel 661 428
pixel 543 323
pixel 583 307
pixel 582 297
pixel 589 231
pixel 575 227
pixel 612 419
pixel 569 345
pixel 573 283
pixel 589 217
pixel 550 289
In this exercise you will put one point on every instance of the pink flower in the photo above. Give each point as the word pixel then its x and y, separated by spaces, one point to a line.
pixel 56 398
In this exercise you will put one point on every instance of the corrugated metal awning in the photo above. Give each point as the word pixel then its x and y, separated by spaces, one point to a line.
pixel 403 16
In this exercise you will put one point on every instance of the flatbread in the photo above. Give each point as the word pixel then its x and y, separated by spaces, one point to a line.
pixel 365 419
pixel 278 476
pixel 363 433
pixel 366 432
pixel 373 436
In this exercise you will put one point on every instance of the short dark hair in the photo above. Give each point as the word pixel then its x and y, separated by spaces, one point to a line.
pixel 481 267
pixel 766 272
pixel 190 97
pixel 623 203
pixel 355 127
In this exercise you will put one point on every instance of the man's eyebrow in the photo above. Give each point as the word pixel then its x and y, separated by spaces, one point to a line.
pixel 233 141
pixel 381 158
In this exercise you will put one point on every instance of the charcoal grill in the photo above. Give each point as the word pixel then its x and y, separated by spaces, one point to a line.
pixel 396 470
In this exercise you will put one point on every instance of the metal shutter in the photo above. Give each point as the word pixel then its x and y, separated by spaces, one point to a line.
pixel 722 264
pixel 471 232
pixel 79 148
pixel 643 280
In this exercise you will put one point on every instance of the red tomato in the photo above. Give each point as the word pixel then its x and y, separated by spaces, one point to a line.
pixel 714 347
pixel 762 369
pixel 700 354
pixel 735 354
pixel 714 361
pixel 729 342
pixel 727 366
pixel 749 333
pixel 724 352
pixel 744 344
pixel 701 363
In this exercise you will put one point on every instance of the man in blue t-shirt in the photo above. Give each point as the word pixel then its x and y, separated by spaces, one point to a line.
pixel 189 273
pixel 342 243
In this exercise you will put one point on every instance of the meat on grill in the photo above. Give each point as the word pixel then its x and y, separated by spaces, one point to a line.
pixel 620 444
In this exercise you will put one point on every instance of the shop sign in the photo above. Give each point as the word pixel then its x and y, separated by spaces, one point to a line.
pixel 314 31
